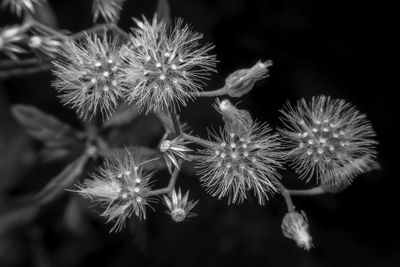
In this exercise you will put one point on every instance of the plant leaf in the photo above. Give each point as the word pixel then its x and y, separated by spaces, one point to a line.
pixel 44 127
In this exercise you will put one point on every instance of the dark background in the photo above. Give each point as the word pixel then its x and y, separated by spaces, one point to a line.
pixel 345 49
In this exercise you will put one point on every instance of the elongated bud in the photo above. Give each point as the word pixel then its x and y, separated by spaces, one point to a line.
pixel 238 121
pixel 295 226
pixel 242 81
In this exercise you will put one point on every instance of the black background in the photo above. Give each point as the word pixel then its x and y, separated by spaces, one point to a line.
pixel 344 49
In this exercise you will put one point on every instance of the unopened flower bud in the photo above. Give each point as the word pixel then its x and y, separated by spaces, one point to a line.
pixel 179 206
pixel 295 226
pixel 236 120
pixel 242 81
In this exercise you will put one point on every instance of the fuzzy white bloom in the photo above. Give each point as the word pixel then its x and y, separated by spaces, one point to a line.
pixel 108 9
pixel 295 226
pixel 244 158
pixel 173 149
pixel 18 6
pixel 87 74
pixel 9 38
pixel 179 206
pixel 165 67
pixel 328 138
pixel 122 186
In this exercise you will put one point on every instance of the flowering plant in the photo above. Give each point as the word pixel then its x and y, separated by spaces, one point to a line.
pixel 111 77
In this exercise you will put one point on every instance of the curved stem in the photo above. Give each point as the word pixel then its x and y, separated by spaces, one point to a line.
pixel 319 190
pixel 285 193
pixel 219 92
pixel 198 140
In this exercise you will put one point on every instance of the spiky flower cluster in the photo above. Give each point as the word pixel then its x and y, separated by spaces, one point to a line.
pixel 108 9
pixel 295 226
pixel 9 37
pixel 179 206
pixel 165 67
pixel 18 6
pixel 87 74
pixel 122 186
pixel 329 138
pixel 243 157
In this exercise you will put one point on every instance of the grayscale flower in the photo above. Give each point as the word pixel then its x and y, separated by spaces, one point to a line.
pixel 87 74
pixel 179 206
pixel 244 158
pixel 108 9
pixel 295 226
pixel 173 149
pixel 165 68
pixel 328 138
pixel 122 186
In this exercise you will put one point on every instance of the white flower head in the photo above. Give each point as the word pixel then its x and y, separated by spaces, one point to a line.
pixel 328 138
pixel 165 67
pixel 20 6
pixel 242 160
pixel 108 9
pixel 295 226
pixel 88 74
pixel 122 186
pixel 179 206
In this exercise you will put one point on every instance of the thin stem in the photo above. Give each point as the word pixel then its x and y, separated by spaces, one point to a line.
pixel 23 71
pixel 101 27
pixel 198 140
pixel 7 64
pixel 285 193
pixel 176 124
pixel 319 190
pixel 219 92
pixel 171 183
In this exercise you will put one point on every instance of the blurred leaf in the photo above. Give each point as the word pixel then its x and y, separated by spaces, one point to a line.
pixel 124 114
pixel 164 11
pixel 17 217
pixel 62 181
pixel 44 127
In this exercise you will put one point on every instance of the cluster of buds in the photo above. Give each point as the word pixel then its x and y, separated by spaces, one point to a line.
pixel 9 39
pixel 47 45
pixel 108 9
pixel 21 6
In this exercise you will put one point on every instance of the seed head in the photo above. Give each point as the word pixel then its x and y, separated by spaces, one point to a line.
pixel 295 226
pixel 164 68
pixel 329 138
pixel 242 81
pixel 240 161
pixel 19 6
pixel 122 186
pixel 88 75
pixel 108 9
pixel 179 207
